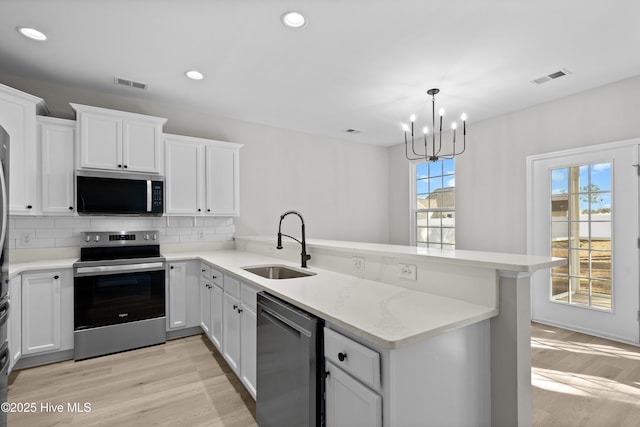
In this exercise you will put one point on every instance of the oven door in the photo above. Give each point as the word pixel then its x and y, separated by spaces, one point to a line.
pixel 109 295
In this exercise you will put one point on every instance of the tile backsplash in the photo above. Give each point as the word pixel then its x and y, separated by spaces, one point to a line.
pixel 63 231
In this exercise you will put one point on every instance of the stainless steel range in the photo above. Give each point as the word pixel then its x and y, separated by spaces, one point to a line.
pixel 119 293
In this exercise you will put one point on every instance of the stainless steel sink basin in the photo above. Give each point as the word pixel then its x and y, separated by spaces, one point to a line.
pixel 278 271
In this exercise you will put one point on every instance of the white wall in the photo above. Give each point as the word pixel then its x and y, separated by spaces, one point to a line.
pixel 340 187
pixel 491 175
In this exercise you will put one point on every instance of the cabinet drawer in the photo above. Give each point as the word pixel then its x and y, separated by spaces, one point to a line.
pixel 357 360
pixel 216 277
pixel 232 286
pixel 206 271
pixel 248 295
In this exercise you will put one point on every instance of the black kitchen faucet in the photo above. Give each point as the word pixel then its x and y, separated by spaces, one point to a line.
pixel 304 255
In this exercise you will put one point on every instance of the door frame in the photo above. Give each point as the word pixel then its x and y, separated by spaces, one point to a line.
pixel 541 279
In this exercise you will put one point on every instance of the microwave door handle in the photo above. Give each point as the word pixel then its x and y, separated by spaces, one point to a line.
pixel 148 195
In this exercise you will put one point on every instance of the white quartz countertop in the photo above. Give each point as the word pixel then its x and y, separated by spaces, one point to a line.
pixel 387 315
pixel 39 264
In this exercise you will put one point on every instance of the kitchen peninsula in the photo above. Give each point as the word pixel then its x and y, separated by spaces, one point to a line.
pixel 457 336
pixel 454 291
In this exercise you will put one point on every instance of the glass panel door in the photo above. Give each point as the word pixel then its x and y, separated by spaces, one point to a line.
pixel 583 206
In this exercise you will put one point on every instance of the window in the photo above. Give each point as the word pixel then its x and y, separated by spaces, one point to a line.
pixel 581 232
pixel 433 200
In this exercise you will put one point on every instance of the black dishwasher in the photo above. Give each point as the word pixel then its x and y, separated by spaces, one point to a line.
pixel 289 352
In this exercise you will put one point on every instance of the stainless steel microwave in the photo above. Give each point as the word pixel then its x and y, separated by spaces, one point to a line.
pixel 103 193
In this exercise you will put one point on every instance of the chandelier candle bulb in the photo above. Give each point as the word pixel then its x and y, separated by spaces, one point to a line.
pixel 463 117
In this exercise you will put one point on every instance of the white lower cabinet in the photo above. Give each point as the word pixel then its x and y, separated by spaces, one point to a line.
pixel 248 323
pixel 183 295
pixel 47 311
pixel 15 321
pixel 348 402
pixel 205 299
pixel 177 295
pixel 230 323
pixel 216 316
pixel 350 370
pixel 231 331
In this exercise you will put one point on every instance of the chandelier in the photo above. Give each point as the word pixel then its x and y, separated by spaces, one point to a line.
pixel 435 153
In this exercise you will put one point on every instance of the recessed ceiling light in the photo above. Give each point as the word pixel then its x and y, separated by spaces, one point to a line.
pixel 293 19
pixel 32 33
pixel 194 75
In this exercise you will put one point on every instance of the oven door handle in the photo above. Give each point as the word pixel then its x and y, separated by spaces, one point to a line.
pixel 122 268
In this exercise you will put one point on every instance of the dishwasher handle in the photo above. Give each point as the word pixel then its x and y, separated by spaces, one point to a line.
pixel 283 322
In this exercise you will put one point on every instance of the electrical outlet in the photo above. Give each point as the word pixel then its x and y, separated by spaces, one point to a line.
pixel 357 264
pixel 25 239
pixel 200 234
pixel 408 272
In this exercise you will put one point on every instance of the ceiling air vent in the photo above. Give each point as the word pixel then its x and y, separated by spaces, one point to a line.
pixel 130 83
pixel 552 76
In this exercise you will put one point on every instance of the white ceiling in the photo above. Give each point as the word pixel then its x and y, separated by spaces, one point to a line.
pixel 363 64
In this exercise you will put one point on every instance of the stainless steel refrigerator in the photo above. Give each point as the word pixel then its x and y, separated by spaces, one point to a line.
pixel 4 269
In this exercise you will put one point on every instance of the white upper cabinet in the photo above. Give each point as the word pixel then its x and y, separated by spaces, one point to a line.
pixel 18 117
pixel 184 176
pixel 201 176
pixel 56 138
pixel 222 184
pixel 118 140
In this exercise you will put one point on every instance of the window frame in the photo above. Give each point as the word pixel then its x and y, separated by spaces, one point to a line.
pixel 575 222
pixel 413 210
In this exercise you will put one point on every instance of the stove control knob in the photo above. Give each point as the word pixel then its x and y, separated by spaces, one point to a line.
pixel 146 236
pixel 87 238
pixel 97 238
pixel 155 236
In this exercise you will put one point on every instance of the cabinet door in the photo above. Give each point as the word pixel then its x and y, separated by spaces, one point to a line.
pixel 205 305
pixel 15 321
pixel 100 141
pixel 216 316
pixel 248 347
pixel 183 181
pixel 56 145
pixel 41 301
pixel 18 118
pixel 177 298
pixel 348 402
pixel 141 146
pixel 222 175
pixel 231 332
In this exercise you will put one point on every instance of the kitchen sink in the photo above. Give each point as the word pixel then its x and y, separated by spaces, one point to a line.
pixel 278 271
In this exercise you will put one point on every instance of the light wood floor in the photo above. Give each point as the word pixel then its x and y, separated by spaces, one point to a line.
pixel 578 380
pixel 184 382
